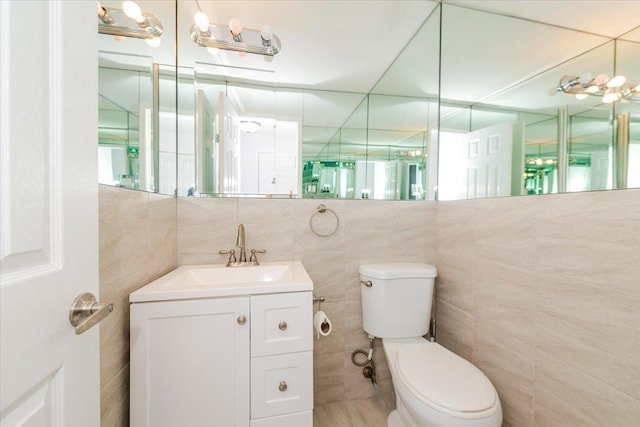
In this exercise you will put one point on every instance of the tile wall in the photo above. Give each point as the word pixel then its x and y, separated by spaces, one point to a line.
pixel 543 294
pixel 137 245
pixel 369 231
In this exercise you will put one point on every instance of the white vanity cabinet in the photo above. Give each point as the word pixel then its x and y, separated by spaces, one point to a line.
pixel 225 361
pixel 282 360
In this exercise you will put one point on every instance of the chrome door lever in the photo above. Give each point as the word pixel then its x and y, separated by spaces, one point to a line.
pixel 86 312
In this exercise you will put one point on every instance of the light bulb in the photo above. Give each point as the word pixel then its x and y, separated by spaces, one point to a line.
pixel 600 79
pixel 102 12
pixel 213 50
pixel 235 26
pixel 592 89
pixel 549 161
pixel 538 162
pixel 610 97
pixel 266 33
pixel 582 96
pixel 637 89
pixel 132 10
pixel 153 42
pixel 617 81
pixel 202 21
pixel 585 78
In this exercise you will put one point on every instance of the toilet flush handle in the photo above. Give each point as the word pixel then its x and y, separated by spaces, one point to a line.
pixel 368 283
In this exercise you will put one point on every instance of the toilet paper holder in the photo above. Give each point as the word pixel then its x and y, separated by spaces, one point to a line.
pixel 318 300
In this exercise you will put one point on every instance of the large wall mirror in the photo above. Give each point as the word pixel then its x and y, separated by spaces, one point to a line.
pixel 506 126
pixel 455 103
pixel 137 118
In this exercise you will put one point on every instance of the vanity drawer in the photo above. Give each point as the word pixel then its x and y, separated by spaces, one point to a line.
pixel 281 384
pixel 299 419
pixel 281 323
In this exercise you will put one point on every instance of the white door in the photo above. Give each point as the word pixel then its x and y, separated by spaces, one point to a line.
pixel 49 376
pixel 266 173
pixel 488 161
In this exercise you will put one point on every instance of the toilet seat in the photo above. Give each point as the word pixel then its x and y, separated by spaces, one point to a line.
pixel 444 380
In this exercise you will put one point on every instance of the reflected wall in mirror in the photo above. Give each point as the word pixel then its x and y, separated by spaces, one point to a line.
pixel 506 126
pixel 244 145
pixel 322 130
pixel 137 92
pixel 124 120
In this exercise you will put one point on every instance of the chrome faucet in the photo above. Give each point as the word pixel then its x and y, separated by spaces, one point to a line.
pixel 241 260
pixel 240 243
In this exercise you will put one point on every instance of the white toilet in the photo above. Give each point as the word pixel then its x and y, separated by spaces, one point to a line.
pixel 434 387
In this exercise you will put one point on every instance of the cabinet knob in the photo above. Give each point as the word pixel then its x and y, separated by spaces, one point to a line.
pixel 241 319
pixel 282 326
pixel 282 386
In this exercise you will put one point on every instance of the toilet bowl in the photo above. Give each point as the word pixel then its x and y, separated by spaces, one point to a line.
pixel 437 388
pixel 434 386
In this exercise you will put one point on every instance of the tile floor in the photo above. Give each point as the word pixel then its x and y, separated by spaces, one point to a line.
pixel 353 413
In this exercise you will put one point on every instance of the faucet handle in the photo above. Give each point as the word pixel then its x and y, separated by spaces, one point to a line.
pixel 253 257
pixel 231 253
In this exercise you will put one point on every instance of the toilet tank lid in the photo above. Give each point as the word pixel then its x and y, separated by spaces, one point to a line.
pixel 397 270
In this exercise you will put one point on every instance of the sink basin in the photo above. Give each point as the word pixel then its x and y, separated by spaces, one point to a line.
pixel 212 275
pixel 218 280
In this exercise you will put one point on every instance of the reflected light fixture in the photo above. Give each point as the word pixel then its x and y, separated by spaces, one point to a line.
pixel 249 126
pixel 129 21
pixel 610 90
pixel 234 37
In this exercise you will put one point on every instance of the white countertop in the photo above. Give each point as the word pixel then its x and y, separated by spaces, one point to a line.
pixel 217 280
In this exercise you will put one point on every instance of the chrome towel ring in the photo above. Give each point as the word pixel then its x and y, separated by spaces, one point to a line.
pixel 323 209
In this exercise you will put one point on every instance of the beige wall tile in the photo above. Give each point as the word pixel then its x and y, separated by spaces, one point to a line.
pixel 327 282
pixel 592 237
pixel 585 326
pixel 510 365
pixel 138 243
pixel 207 212
pixel 505 297
pixel 456 282
pixel 162 235
pixel 581 311
pixel 454 329
pixel 114 400
pixel 566 396
pixel 123 216
pixel 505 230
pixel 114 329
pixel 455 231
pixel 488 306
pixel 269 225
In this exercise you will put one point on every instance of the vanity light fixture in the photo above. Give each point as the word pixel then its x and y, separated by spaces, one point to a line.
pixel 129 21
pixel 249 126
pixel 610 90
pixel 409 153
pixel 233 37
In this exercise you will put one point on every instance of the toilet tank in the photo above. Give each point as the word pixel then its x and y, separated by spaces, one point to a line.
pixel 398 303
